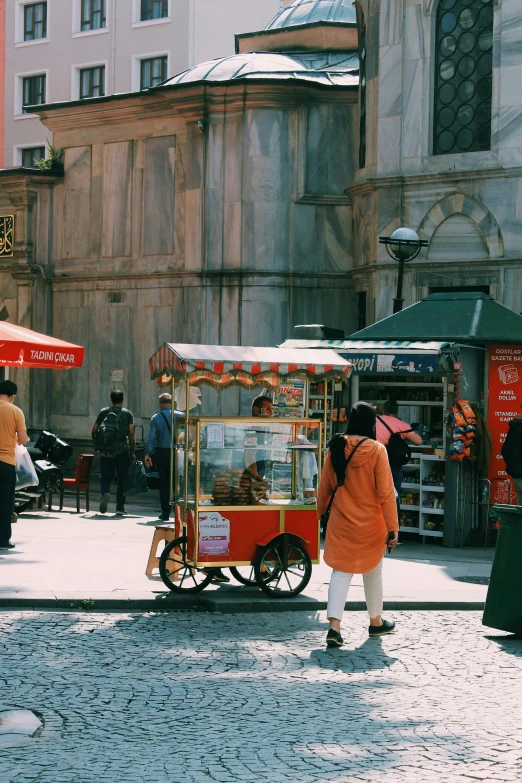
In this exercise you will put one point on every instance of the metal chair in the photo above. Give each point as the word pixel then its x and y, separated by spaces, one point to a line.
pixel 80 482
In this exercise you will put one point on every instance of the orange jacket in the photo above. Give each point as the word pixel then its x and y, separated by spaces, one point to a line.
pixel 364 509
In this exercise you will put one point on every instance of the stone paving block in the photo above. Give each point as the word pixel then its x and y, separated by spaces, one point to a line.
pixel 183 697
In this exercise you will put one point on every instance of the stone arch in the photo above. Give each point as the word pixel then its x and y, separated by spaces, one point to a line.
pixel 456 204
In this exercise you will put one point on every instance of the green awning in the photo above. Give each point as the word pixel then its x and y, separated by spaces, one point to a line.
pixel 450 317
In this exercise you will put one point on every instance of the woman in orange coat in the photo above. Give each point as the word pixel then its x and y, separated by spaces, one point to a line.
pixel 362 515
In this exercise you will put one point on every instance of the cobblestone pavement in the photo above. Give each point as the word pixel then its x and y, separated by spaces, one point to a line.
pixel 197 698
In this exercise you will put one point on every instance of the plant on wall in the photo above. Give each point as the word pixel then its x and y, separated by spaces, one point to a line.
pixel 53 161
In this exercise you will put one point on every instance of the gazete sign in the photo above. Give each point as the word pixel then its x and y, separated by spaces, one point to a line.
pixel 504 403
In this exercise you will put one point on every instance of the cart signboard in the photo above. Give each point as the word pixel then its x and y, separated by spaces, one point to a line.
pixel 504 403
pixel 214 534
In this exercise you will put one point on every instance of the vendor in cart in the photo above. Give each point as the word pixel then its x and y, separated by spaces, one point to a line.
pixel 262 406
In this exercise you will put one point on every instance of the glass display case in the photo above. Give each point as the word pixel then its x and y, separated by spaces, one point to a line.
pixel 249 462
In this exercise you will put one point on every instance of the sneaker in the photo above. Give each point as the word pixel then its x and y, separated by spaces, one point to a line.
pixel 217 575
pixel 14 517
pixel 104 503
pixel 7 546
pixel 120 512
pixel 334 639
pixel 388 626
pixel 163 518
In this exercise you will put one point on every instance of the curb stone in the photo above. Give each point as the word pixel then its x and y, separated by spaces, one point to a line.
pixel 222 606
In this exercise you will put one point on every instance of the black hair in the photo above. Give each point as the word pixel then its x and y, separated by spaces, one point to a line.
pixel 258 402
pixel 117 396
pixel 390 408
pixel 9 388
pixel 361 422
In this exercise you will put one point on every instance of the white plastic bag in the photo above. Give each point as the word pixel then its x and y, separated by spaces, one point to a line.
pixel 26 475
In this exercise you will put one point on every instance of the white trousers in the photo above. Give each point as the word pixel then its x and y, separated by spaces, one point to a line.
pixel 338 590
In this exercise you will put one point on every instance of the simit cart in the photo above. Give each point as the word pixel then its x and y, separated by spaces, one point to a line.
pixel 244 489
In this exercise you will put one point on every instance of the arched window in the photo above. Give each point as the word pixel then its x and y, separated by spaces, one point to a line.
pixel 362 91
pixel 463 76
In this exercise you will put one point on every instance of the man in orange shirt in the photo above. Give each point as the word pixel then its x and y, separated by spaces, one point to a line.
pixel 12 431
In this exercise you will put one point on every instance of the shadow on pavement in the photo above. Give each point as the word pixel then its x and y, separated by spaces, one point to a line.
pixel 511 644
pixel 370 656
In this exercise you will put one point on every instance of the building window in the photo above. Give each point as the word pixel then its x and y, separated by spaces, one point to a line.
pixel 92 82
pixel 33 91
pixel 93 15
pixel 362 94
pixel 31 156
pixel 463 76
pixel 154 9
pixel 361 310
pixel 152 72
pixel 35 21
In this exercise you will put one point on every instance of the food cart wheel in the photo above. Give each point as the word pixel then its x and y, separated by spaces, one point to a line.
pixel 177 573
pixel 288 565
pixel 247 575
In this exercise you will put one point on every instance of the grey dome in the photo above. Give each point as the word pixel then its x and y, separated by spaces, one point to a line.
pixel 338 69
pixel 311 11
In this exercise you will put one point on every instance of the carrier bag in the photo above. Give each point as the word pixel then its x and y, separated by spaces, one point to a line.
pixel 136 478
pixel 25 471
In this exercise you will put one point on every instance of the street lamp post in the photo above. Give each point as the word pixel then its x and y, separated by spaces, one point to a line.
pixel 403 245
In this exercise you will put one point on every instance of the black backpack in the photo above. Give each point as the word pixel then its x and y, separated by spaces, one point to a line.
pixel 399 450
pixel 110 439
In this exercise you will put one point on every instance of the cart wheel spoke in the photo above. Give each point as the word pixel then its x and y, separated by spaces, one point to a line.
pixel 284 581
pixel 177 572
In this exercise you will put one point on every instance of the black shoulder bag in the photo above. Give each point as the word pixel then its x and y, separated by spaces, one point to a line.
pixel 326 516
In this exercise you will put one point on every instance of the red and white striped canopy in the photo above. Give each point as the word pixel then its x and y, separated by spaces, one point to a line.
pixel 222 366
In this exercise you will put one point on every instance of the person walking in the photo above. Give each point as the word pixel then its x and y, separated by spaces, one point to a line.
pixel 387 425
pixel 158 446
pixel 363 515
pixel 113 436
pixel 12 431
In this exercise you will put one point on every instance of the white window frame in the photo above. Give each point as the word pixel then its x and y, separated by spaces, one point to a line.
pixel 19 24
pixel 77 32
pixel 75 78
pixel 136 15
pixel 18 148
pixel 19 92
pixel 136 67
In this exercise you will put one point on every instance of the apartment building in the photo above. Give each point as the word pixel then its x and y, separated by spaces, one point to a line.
pixel 62 50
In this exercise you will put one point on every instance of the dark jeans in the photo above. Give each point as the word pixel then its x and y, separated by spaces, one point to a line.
pixel 162 463
pixel 115 466
pixel 397 483
pixel 7 498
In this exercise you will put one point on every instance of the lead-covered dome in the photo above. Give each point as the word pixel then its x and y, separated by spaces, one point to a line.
pixel 336 69
pixel 300 12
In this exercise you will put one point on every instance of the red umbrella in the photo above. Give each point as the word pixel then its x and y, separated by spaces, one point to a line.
pixel 21 347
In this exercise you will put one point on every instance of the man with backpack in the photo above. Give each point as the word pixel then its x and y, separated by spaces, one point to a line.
pixel 393 433
pixel 113 437
pixel 158 446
